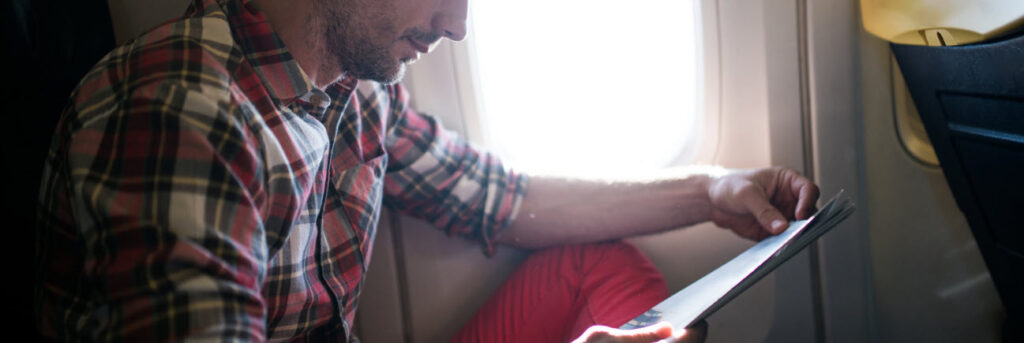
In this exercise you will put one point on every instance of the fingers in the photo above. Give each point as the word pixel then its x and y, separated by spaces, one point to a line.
pixel 807 195
pixel 766 214
pixel 596 334
pixel 648 334
pixel 694 334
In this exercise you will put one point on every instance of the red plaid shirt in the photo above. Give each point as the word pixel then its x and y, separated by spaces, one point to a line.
pixel 187 193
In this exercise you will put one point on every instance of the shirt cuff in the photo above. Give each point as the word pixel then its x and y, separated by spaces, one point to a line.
pixel 502 208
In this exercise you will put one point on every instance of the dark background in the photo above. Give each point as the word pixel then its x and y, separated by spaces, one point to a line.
pixel 48 45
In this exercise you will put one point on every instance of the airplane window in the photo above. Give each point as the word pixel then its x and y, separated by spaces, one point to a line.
pixel 588 88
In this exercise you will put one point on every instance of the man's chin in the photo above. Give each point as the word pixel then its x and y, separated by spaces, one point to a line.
pixel 396 76
pixel 390 76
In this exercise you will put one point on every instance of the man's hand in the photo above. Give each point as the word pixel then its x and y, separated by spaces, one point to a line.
pixel 660 333
pixel 759 203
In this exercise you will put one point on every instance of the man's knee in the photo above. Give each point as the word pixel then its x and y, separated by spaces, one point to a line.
pixel 604 259
pixel 616 250
pixel 615 255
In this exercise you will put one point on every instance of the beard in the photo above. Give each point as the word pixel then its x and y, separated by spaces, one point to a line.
pixel 348 39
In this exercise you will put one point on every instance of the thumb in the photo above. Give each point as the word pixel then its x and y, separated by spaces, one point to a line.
pixel 767 215
pixel 647 334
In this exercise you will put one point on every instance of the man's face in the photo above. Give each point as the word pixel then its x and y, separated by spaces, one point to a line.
pixel 375 39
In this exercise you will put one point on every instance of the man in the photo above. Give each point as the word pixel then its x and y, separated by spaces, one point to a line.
pixel 220 178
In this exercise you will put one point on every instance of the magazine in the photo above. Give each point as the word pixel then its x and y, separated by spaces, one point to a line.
pixel 705 296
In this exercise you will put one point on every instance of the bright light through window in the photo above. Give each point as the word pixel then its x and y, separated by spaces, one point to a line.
pixel 587 88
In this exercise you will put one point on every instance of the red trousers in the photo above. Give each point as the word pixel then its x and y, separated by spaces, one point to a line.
pixel 558 293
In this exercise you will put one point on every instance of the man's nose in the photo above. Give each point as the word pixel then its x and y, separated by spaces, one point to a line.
pixel 450 19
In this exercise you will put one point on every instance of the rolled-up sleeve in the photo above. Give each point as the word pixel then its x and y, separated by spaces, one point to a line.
pixel 436 176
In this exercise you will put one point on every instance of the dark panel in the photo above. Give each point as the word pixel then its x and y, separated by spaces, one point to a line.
pixel 998 114
pixel 993 185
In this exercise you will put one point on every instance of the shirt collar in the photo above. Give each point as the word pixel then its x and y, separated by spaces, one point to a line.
pixel 262 47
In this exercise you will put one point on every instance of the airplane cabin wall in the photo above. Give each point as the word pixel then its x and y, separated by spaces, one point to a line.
pixel 132 18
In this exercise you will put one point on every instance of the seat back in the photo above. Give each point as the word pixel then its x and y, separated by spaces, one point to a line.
pixel 971 101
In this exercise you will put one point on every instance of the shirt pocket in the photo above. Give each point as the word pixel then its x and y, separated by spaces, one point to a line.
pixel 353 212
pixel 358 190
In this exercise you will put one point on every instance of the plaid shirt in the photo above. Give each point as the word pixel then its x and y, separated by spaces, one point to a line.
pixel 187 193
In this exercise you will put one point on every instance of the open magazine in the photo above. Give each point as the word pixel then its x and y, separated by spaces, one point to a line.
pixel 705 296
